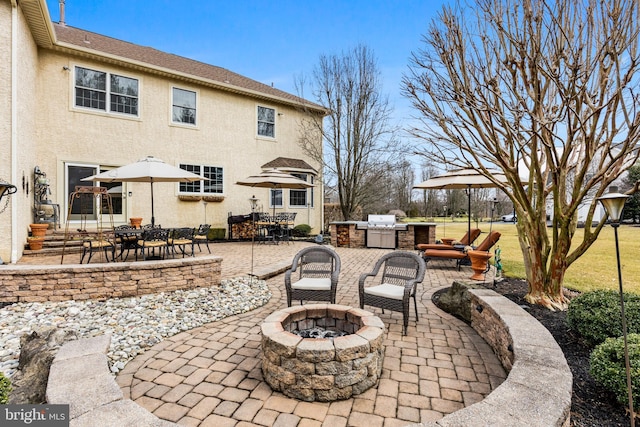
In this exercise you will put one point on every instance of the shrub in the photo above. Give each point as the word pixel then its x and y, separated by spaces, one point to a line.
pixel 5 389
pixel 607 366
pixel 596 315
pixel 301 230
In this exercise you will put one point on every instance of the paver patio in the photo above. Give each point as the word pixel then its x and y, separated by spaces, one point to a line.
pixel 211 376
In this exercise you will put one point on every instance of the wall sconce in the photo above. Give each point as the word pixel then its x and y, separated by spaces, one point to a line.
pixel 6 189
pixel 65 68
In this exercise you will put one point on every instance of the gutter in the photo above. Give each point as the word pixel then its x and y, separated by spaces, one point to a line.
pixel 14 127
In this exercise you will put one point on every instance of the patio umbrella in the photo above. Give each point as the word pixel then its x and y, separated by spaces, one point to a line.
pixel 148 169
pixel 462 179
pixel 274 179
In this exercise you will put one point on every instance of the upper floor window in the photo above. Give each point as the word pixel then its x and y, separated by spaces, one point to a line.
pixel 214 184
pixel 93 88
pixel 184 106
pixel 266 122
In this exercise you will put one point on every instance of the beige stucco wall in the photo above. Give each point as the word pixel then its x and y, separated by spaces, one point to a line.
pixel 52 132
pixel 225 136
pixel 26 127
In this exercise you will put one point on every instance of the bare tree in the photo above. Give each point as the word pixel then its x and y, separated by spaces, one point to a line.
pixel 358 139
pixel 547 91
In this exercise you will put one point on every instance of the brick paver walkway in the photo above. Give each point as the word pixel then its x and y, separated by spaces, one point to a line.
pixel 210 376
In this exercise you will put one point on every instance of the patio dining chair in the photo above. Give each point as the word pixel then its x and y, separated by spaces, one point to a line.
pixel 401 273
pixel 201 235
pixel 317 269
pixel 180 238
pixel 95 244
pixel 126 237
pixel 152 239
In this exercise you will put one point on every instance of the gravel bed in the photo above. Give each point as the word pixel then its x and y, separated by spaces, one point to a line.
pixel 135 323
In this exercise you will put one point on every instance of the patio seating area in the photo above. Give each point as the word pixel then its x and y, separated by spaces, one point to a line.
pixel 211 374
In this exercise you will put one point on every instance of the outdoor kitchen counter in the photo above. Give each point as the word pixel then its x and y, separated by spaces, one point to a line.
pixel 352 234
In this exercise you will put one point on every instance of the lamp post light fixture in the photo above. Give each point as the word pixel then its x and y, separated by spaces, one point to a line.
pixel 254 203
pixel 614 204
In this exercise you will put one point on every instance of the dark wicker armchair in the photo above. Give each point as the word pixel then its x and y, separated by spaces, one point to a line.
pixel 401 273
pixel 318 268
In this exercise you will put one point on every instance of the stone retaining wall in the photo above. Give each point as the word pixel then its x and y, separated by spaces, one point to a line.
pixel 29 283
pixel 80 377
pixel 537 391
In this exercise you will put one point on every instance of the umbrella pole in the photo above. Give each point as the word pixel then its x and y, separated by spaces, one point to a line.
pixel 153 218
pixel 469 210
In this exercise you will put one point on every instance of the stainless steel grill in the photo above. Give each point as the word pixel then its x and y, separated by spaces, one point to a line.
pixel 381 231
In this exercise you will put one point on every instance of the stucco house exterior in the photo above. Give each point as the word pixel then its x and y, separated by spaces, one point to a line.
pixel 76 103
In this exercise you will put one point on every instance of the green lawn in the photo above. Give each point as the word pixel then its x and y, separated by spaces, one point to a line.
pixel 596 269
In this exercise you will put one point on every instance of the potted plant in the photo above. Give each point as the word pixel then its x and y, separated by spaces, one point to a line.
pixel 35 243
pixel 136 222
pixel 39 229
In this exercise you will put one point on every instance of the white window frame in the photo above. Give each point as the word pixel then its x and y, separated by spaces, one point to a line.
pixel 195 107
pixel 202 185
pixel 305 191
pixel 107 93
pixel 258 121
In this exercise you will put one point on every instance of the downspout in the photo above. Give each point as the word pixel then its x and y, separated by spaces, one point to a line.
pixel 14 127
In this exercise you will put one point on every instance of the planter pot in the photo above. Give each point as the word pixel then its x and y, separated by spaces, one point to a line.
pixel 187 198
pixel 136 222
pixel 213 199
pixel 38 230
pixel 479 261
pixel 35 244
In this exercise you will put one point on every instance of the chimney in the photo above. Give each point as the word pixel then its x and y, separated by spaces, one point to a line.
pixel 61 21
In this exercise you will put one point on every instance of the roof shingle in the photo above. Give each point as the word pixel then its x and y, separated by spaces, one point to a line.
pixel 135 54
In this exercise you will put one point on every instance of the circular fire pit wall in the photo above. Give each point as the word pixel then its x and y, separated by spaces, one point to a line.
pixel 322 369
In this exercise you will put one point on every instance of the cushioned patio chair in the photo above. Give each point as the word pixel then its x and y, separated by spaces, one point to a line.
pixel 461 256
pixel 401 273
pixel 152 239
pixel 180 239
pixel 202 235
pixel 467 240
pixel 317 268
pixel 98 244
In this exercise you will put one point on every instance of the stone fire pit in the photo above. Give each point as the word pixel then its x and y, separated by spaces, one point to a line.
pixel 322 369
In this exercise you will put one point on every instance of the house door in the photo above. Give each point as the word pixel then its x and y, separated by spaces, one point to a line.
pixel 89 207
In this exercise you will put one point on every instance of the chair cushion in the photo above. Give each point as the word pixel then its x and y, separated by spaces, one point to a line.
pixel 179 241
pixel 386 290
pixel 313 284
pixel 442 253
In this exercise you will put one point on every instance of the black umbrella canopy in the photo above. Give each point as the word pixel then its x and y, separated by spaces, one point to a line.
pixel 462 179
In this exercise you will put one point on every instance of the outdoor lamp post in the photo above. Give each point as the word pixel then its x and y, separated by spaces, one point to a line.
pixel 444 221
pixel 614 204
pixel 254 204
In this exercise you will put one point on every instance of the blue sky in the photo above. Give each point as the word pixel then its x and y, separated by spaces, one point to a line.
pixel 268 41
